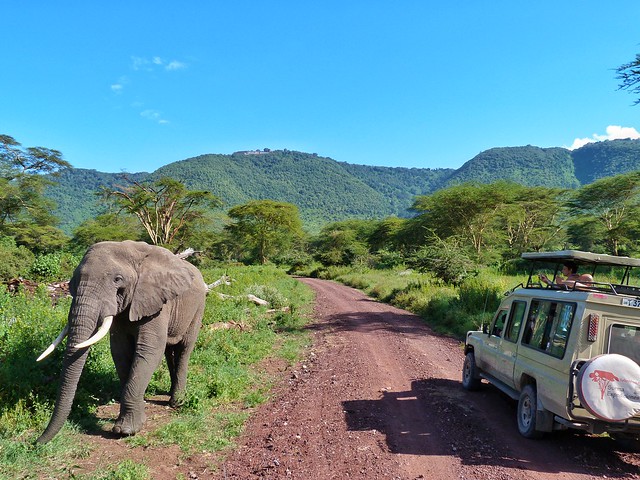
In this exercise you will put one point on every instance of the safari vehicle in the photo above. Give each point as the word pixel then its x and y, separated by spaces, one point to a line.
pixel 568 354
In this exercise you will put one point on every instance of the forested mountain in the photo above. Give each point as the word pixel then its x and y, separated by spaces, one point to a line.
pixel 606 159
pixel 75 193
pixel 530 166
pixel 326 190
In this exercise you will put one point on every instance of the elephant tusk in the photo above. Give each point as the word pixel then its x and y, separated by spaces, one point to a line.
pixel 102 331
pixel 55 343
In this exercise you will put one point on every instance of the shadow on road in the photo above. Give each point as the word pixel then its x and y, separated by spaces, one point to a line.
pixel 435 418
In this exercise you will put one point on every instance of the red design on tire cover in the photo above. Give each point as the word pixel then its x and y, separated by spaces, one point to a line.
pixel 609 387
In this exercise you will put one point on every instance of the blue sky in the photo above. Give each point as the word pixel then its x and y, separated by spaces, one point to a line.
pixel 131 86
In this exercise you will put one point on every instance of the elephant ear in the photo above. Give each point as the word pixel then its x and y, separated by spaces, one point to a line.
pixel 162 276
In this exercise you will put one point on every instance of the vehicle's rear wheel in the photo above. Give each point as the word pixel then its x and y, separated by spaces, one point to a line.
pixel 527 405
pixel 470 377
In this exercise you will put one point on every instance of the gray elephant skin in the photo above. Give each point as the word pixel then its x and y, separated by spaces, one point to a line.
pixel 151 303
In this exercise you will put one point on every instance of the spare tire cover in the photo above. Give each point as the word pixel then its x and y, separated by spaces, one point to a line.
pixel 609 387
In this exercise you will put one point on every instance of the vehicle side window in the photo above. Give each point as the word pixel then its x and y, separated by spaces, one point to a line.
pixel 548 326
pixel 625 340
pixel 515 321
pixel 498 324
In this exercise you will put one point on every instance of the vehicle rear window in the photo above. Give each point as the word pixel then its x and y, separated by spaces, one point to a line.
pixel 548 325
pixel 625 340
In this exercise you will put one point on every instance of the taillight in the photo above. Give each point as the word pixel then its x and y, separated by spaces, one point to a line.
pixel 594 319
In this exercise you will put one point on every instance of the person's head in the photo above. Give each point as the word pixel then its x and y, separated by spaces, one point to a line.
pixel 569 267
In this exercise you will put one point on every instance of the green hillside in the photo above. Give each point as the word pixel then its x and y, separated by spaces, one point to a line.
pixel 326 190
pixel 75 194
pixel 398 185
pixel 531 166
pixel 321 188
pixel 605 159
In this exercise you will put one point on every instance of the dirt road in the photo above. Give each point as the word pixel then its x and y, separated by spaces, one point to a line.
pixel 379 397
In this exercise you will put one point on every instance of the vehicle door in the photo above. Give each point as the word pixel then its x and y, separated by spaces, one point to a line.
pixel 507 346
pixel 494 341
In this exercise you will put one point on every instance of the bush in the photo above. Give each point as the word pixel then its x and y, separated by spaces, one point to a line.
pixel 16 260
pixel 445 260
pixel 388 259
pixel 46 267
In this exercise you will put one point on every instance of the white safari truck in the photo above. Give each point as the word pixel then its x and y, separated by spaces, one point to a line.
pixel 568 353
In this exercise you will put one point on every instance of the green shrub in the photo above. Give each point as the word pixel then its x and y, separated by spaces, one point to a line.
pixel 445 260
pixel 388 259
pixel 46 267
pixel 16 260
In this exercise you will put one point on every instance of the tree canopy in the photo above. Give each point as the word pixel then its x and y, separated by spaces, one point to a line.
pixel 25 213
pixel 265 227
pixel 164 207
pixel 629 76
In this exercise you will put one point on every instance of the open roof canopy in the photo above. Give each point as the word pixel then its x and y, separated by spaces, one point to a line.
pixel 581 258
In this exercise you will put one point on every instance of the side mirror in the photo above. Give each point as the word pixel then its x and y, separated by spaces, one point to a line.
pixel 485 328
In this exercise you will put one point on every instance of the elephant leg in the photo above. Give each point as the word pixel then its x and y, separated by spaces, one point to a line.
pixel 178 361
pixel 122 352
pixel 146 358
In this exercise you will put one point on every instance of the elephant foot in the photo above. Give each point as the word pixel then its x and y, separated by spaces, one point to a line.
pixel 176 399
pixel 127 425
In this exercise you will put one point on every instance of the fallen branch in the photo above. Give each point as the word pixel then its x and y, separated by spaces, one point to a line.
pixel 250 297
pixel 187 253
pixel 223 280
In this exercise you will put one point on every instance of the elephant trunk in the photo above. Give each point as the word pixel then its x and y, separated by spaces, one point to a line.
pixel 71 369
pixel 82 325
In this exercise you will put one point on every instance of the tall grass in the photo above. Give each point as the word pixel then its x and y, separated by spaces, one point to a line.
pixel 224 375
pixel 449 310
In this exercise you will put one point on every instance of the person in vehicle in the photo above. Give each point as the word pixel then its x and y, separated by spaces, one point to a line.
pixel 571 278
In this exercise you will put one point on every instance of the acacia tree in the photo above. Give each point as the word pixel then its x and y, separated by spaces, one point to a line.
pixel 341 243
pixel 164 208
pixel 266 228
pixel 531 219
pixel 467 211
pixel 629 76
pixel 613 204
pixel 25 213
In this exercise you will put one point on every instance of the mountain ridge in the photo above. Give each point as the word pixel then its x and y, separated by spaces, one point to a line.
pixel 327 190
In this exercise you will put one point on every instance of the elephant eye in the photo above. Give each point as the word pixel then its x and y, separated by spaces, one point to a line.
pixel 118 279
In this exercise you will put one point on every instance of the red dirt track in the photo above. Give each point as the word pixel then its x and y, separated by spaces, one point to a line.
pixel 379 397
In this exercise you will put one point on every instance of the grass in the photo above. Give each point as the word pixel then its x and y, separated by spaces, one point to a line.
pixel 225 380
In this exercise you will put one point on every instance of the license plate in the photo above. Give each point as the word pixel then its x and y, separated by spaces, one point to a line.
pixel 631 302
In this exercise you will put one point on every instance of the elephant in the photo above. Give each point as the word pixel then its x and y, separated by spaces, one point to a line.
pixel 150 301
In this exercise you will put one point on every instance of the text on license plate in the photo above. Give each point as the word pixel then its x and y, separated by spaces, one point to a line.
pixel 631 302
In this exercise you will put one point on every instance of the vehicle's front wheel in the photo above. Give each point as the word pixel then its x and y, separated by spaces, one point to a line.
pixel 527 412
pixel 470 377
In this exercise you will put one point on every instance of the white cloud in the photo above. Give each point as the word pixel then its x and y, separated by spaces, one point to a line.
pixel 116 88
pixel 154 116
pixel 140 63
pixel 175 65
pixel 614 132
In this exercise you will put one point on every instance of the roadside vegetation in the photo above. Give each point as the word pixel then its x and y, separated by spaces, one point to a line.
pixel 225 378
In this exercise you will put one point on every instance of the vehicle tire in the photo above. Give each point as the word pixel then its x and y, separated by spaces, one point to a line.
pixel 470 377
pixel 527 412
